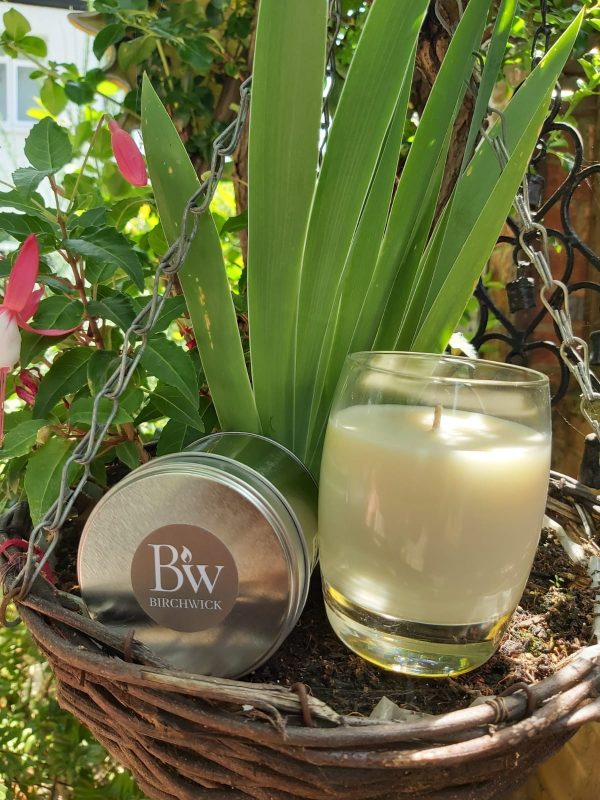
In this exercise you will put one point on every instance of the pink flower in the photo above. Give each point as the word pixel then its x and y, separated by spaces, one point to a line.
pixel 20 303
pixel 28 387
pixel 129 160
pixel 25 395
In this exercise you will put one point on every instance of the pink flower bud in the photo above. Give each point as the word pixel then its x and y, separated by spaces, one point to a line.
pixel 25 394
pixel 30 380
pixel 129 160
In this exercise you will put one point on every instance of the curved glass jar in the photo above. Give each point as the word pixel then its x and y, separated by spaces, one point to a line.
pixel 433 487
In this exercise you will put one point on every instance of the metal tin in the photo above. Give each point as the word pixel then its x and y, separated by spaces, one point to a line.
pixel 205 554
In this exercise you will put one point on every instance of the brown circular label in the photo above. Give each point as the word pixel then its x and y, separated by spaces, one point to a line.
pixel 184 578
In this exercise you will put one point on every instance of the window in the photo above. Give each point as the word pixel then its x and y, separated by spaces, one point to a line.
pixel 27 91
pixel 3 91
pixel 17 93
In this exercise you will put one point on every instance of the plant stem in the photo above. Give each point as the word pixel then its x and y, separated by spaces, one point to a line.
pixel 165 63
pixel 85 160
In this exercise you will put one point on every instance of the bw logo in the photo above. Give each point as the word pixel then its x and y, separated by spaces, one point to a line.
pixel 175 569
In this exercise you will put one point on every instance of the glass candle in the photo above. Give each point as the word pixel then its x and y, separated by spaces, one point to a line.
pixel 433 488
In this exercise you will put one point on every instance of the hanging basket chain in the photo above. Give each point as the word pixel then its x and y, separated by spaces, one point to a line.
pixel 138 333
pixel 335 22
pixel 533 239
pixel 140 329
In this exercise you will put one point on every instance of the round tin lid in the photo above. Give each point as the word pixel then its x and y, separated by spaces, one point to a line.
pixel 196 563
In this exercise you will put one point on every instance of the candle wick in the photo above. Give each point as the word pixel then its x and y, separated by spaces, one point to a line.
pixel 437 418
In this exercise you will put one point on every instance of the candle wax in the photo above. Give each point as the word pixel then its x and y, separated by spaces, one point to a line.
pixel 430 525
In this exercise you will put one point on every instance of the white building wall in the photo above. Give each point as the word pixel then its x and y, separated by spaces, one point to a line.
pixel 65 44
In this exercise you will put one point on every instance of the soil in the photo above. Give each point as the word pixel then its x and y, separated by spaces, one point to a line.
pixel 553 621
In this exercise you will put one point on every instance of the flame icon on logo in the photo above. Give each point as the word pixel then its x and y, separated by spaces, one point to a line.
pixel 186 555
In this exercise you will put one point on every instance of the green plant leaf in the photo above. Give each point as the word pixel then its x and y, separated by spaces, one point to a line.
pixel 21 439
pixel 48 147
pixel 92 218
pixel 66 376
pixel 99 366
pixel 111 34
pixel 32 204
pixel 238 223
pixel 416 196
pixel 175 437
pixel 79 92
pixel 21 225
pixel 379 66
pixel 27 179
pixel 495 54
pixel 43 475
pixel 110 249
pixel 128 454
pixel 358 271
pixel 203 277
pixel 157 240
pixel 56 312
pixel 284 132
pixel 482 199
pixel 169 363
pixel 135 51
pixel 81 412
pixel 15 24
pixel 175 405
pixel 117 308
pixel 34 46
pixel 197 54
pixel 125 210
pixel 172 309
pixel 53 96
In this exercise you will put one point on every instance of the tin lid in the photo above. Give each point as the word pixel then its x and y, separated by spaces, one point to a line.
pixel 204 563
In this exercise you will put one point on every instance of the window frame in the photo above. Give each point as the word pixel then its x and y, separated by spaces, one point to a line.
pixel 12 121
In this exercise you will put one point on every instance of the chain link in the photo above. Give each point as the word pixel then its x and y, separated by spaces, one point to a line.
pixel 335 22
pixel 135 337
pixel 138 333
pixel 554 294
pixel 542 34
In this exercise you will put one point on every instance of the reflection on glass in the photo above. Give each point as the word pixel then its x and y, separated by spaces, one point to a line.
pixel 432 493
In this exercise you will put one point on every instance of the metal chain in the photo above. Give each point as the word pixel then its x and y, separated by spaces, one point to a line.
pixel 140 329
pixel 335 22
pixel 533 238
pixel 137 334
pixel 542 33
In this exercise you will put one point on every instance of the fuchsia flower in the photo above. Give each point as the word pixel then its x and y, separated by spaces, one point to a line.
pixel 129 160
pixel 27 389
pixel 20 303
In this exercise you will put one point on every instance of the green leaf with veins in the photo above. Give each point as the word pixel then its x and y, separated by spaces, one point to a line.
pixel 27 179
pixel 43 475
pixel 81 412
pixel 110 250
pixel 169 363
pixel 66 376
pixel 48 146
pixel 15 24
pixel 57 312
pixel 20 440
pixel 175 405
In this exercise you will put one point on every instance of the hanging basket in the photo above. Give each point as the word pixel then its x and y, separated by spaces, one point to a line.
pixel 183 735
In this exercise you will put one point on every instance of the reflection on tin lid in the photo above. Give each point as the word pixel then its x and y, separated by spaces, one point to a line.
pixel 205 566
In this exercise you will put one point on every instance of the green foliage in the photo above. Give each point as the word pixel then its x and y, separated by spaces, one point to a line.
pixel 96 236
pixel 101 240
pixel 35 733
pixel 203 276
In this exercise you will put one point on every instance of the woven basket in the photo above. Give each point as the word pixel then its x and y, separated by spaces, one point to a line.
pixel 185 737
